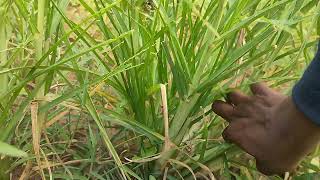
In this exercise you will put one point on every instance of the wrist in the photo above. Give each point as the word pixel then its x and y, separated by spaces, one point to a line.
pixel 303 133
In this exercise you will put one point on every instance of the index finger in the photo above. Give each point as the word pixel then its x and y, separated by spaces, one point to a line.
pixel 224 110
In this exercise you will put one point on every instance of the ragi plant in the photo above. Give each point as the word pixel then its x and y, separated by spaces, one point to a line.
pixel 125 91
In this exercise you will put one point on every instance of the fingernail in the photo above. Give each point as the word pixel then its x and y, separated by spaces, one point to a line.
pixel 215 103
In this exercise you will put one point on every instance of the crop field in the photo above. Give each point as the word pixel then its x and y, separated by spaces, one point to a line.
pixel 122 89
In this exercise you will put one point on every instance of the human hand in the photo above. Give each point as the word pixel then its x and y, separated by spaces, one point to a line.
pixel 268 126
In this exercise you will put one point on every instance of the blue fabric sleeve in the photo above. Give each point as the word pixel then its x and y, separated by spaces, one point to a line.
pixel 306 93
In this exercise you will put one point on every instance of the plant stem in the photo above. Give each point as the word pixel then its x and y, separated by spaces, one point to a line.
pixel 4 163
pixel 165 117
pixel 36 135
pixel 39 44
pixel 40 27
pixel 40 115
pixel 3 49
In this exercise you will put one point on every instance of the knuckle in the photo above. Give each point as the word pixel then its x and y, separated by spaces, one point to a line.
pixel 232 95
pixel 229 97
pixel 228 135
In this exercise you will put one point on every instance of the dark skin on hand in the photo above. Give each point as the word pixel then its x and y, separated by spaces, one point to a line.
pixel 268 126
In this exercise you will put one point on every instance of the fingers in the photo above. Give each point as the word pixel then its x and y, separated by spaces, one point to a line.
pixel 240 105
pixel 260 89
pixel 238 134
pixel 227 110
pixel 227 135
pixel 223 109
pixel 232 135
pixel 237 97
